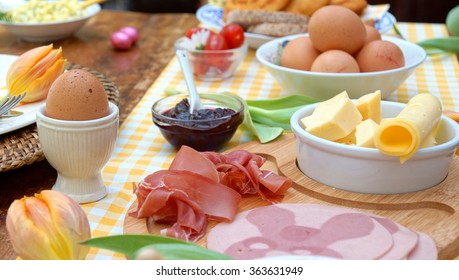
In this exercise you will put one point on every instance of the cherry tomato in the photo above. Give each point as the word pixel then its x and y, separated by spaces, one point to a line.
pixel 216 42
pixel 234 35
pixel 200 66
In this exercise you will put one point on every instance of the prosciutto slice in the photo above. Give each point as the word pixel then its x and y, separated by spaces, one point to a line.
pixel 191 160
pixel 202 185
pixel 170 206
pixel 185 199
pixel 241 170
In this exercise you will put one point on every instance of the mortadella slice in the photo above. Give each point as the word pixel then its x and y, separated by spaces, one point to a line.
pixel 301 229
pixel 405 240
pixel 425 248
pixel 403 135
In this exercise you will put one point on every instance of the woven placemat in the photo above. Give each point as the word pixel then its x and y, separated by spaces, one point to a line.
pixel 22 147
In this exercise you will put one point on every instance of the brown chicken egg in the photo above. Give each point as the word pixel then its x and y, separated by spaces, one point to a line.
pixel 299 53
pixel 335 61
pixel 380 55
pixel 336 27
pixel 77 95
pixel 372 34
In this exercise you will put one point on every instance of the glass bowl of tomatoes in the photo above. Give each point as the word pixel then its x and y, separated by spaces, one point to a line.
pixel 214 56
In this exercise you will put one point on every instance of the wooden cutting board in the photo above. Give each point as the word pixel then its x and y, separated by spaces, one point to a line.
pixel 434 211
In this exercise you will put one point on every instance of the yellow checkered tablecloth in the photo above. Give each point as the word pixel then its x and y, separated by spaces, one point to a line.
pixel 141 150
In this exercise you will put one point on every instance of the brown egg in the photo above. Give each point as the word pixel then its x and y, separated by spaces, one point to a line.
pixel 380 55
pixel 299 53
pixel 372 34
pixel 335 61
pixel 77 95
pixel 336 27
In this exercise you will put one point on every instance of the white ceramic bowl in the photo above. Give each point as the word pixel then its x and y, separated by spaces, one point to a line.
pixel 326 85
pixel 47 32
pixel 367 170
pixel 78 150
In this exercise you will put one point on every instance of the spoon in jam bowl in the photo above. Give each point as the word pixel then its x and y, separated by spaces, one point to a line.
pixel 195 101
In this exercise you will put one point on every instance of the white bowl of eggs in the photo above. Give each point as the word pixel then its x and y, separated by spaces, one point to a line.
pixel 337 55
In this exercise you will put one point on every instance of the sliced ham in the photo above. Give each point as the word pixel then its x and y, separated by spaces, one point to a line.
pixel 191 160
pixel 189 222
pixel 203 185
pixel 241 170
pixel 425 248
pixel 301 229
pixel 217 201
pixel 186 200
pixel 404 239
pixel 318 230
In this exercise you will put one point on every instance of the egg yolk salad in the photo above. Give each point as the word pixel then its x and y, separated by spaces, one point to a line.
pixel 45 11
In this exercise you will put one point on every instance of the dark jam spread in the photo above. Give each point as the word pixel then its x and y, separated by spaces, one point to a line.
pixel 207 129
pixel 181 111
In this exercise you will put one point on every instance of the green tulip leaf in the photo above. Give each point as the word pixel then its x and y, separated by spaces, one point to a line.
pixel 169 248
pixel 286 102
pixel 264 133
pixel 277 118
pixel 447 44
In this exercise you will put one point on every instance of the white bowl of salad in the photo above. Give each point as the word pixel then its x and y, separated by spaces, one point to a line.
pixel 46 21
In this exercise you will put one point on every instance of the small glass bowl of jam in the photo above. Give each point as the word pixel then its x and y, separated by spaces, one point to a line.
pixel 208 129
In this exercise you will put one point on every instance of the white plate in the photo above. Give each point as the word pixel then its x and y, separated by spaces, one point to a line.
pixel 47 32
pixel 29 110
pixel 212 17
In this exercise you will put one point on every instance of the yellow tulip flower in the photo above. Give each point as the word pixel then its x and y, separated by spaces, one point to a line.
pixel 48 226
pixel 34 72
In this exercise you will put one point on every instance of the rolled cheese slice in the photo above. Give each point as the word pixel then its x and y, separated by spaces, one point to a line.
pixel 403 135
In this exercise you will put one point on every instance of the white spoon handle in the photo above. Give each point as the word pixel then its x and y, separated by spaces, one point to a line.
pixel 195 101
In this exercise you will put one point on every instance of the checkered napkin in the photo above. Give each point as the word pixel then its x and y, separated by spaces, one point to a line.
pixel 141 150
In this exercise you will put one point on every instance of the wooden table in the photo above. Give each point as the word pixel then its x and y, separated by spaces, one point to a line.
pixel 133 71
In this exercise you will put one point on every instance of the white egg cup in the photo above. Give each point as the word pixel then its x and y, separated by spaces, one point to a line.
pixel 78 150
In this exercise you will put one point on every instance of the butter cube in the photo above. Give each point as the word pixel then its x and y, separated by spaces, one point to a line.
pixel 365 133
pixel 369 106
pixel 334 118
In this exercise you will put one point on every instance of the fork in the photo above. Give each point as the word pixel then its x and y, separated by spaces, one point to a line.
pixel 10 102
